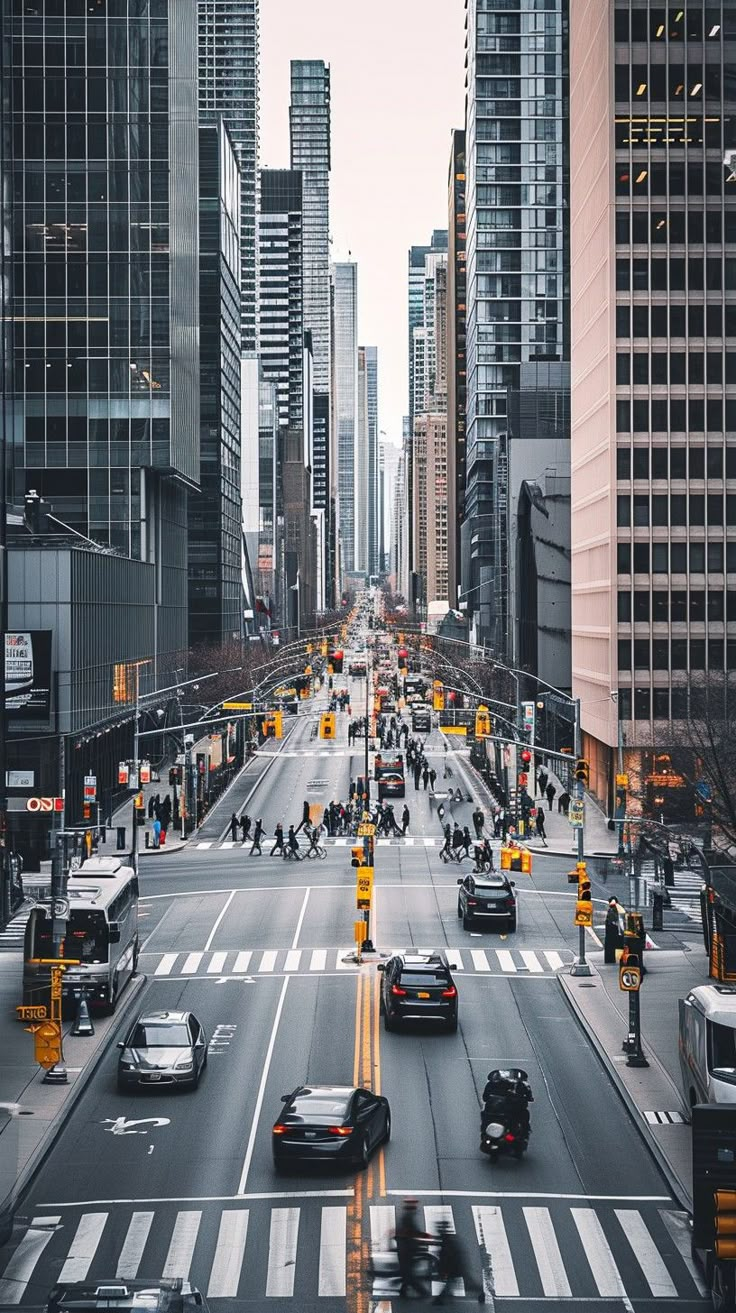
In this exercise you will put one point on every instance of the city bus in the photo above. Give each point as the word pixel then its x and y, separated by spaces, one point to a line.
pixel 102 935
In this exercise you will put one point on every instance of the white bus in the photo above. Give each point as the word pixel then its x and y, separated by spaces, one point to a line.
pixel 102 935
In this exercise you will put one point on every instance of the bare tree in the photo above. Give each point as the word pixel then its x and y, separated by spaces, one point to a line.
pixel 704 754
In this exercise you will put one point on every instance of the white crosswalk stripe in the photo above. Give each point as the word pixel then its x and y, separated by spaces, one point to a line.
pixel 516 1248
pixel 12 937
pixel 262 962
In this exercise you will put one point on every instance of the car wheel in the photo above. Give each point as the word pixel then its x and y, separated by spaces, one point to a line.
pixel 452 1025
pixel 365 1153
pixel 467 922
pixel 388 1022
pixel 512 924
pixel 459 908
pixel 387 1132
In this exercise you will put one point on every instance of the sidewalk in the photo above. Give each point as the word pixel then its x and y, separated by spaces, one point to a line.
pixel 31 1113
pixel 653 1094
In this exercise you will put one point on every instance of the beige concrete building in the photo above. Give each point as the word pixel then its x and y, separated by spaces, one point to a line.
pixel 653 320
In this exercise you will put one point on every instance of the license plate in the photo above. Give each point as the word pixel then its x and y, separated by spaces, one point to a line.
pixel 155 1076
pixel 423 994
pixel 310 1135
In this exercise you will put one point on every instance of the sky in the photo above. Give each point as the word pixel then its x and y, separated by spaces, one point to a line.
pixel 397 80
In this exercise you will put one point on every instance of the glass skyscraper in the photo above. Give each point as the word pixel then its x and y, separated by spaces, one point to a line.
pixel 345 397
pixel 228 89
pixel 517 277
pixel 309 121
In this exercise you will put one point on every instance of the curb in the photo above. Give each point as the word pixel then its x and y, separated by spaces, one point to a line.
pixel 37 1159
pixel 677 1186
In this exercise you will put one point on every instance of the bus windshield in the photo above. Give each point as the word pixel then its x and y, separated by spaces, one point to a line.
pixel 86 937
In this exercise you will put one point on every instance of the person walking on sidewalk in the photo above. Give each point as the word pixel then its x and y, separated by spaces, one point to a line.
pixel 541 832
pixel 405 819
pixel 234 827
pixel 542 778
pixel 432 778
pixel 563 802
pixel 613 938
pixel 245 827
pixel 257 837
pixel 425 775
pixel 305 817
pixel 478 822
pixel 279 837
pixel 550 791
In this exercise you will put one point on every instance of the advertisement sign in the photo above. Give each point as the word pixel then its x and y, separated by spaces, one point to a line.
pixel 123 772
pixel 20 779
pixel 28 674
pixel 90 788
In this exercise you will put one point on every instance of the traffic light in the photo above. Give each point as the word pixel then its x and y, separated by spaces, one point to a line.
pixel 725 1223
pixel 584 903
pixel 579 874
pixel 526 757
pixel 358 856
pixel 582 772
pixel 47 1044
pixel 483 726
pixel 327 725
pixel 622 784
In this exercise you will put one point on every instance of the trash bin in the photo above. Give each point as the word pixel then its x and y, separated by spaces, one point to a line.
pixel 162 839
pixel 148 838
pixel 121 838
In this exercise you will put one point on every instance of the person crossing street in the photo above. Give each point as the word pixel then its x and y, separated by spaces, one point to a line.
pixel 279 844
pixel 257 837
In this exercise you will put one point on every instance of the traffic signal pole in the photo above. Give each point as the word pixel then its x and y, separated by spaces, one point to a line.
pixel 580 966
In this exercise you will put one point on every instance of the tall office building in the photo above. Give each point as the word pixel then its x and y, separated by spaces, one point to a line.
pixel 215 512
pixel 456 361
pixel 362 472
pixel 371 373
pixel 416 302
pixel 345 406
pixel 517 284
pixel 653 209
pixel 429 439
pixel 228 89
pixel 281 328
pixel 104 402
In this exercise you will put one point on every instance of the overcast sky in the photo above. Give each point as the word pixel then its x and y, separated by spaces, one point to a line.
pixel 397 92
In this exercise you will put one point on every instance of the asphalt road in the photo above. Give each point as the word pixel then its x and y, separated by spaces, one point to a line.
pixel 183 1184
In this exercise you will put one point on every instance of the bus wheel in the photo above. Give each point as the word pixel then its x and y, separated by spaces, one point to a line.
pixel 722 1288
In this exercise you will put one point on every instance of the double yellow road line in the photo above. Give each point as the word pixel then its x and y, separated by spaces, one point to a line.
pixel 370 1184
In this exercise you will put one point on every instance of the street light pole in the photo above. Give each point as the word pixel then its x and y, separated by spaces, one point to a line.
pixel 580 966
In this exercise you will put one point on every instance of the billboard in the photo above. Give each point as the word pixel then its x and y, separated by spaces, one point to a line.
pixel 28 674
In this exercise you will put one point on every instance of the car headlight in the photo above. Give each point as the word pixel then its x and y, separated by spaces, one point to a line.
pixel 184 1064
pixel 126 1065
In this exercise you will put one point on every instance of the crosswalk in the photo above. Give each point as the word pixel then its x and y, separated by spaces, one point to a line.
pixel 343 841
pixel 11 938
pixel 248 963
pixel 685 894
pixel 535 1247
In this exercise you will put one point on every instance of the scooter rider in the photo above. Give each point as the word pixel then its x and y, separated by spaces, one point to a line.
pixel 506 1098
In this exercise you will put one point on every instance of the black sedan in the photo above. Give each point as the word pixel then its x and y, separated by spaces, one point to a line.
pixel 487 899
pixel 391 785
pixel 162 1048
pixel 330 1123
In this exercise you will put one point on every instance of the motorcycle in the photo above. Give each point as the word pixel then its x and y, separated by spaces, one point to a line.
pixel 504 1132
pixel 499 1138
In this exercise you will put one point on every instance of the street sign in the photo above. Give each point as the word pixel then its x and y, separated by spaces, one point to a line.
pixel 123 772
pixel 145 772
pixel 32 1012
pixel 366 830
pixel 237 706
pixel 90 788
pixel 527 717
pixel 44 804
pixel 364 887
pixel 576 814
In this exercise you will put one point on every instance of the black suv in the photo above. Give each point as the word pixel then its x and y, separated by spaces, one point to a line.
pixel 490 899
pixel 418 986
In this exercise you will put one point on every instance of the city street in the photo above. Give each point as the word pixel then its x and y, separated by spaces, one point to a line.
pixel 183 1183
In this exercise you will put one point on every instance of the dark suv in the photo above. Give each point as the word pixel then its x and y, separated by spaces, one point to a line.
pixel 418 987
pixel 487 899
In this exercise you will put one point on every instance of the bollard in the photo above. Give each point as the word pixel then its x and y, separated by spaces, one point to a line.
pixel 148 839
pixel 83 1024
pixel 658 910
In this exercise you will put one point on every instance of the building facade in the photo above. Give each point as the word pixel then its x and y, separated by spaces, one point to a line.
pixel 228 89
pixel 345 405
pixel 371 371
pixel 456 361
pixel 215 512
pixel 517 282
pixel 281 313
pixel 654 388
pixel 429 494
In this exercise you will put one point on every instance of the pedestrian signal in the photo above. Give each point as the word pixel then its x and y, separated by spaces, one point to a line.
pixel 358 856
pixel 483 726
pixel 582 772
pixel 629 974
pixel 583 912
pixel 47 1044
pixel 327 725
pixel 580 873
pixel 725 1223
pixel 273 725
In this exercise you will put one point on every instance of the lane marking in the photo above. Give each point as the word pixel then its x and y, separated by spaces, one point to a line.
pixel 228 1260
pixel 133 1246
pixel 318 960
pixel 242 962
pixel 418 1192
pixel 216 926
pixel 678 1225
pixel 83 1247
pixel 497 1260
pixel 646 1253
pixel 181 1249
pixel 217 965
pixel 292 959
pixel 530 959
pixel 554 960
pixel 333 1252
pixel 262 1088
pixel 191 965
pixel 598 1253
pixel 20 1268
pixel 282 1244
pixel 166 964
pixel 383 1226
pixel 268 961
pixel 300 921
pixel 506 960
pixel 480 961
pixel 549 1260
pixel 204 1199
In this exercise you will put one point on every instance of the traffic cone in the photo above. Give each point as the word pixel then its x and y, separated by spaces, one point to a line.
pixel 83 1021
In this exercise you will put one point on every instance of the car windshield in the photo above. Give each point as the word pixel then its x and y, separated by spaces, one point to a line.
pixel 151 1035
pixel 423 978
pixel 320 1105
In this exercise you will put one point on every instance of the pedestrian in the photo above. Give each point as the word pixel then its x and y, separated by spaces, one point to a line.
pixel 432 778
pixel 466 840
pixel 245 827
pixel 293 843
pixel 542 778
pixel 305 816
pixel 408 1241
pixel 563 802
pixel 452 1267
pixel 233 827
pixel 279 837
pixel 550 791
pixel 257 836
pixel 417 775
pixel 151 802
pixel 478 821
pixel 405 819
pixel 156 833
pixel 613 937
pixel 447 845
pixel 425 776
pixel 541 833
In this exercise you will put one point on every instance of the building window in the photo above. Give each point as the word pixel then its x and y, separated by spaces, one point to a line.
pixel 623 512
pixel 678 605
pixel 661 703
pixel 623 416
pixel 642 703
pixel 697 558
pixel 624 704
pixel 624 654
pixel 624 608
pixel 678 654
pixel 641 653
pixel 660 654
pixel 697 654
pixel 678 558
pixel 660 606
pixel 623 558
pixel 641 558
pixel 623 462
pixel 659 558
pixel 641 606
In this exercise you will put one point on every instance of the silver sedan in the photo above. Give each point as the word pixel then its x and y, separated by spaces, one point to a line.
pixel 162 1048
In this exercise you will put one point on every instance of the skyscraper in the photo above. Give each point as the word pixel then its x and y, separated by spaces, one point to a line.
pixel 654 390
pixel 228 89
pixel 345 402
pixel 517 279
pixel 281 335
pixel 362 473
pixel 428 505
pixel 417 313
pixel 456 361
pixel 371 373
pixel 215 513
